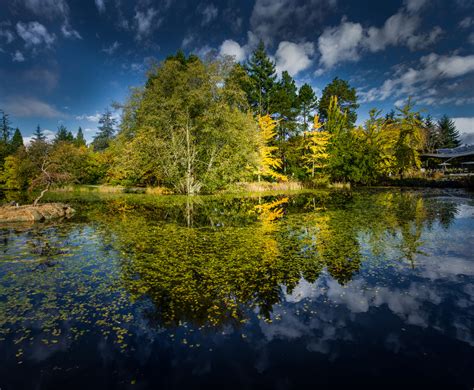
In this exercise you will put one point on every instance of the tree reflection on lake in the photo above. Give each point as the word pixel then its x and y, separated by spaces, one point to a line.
pixel 331 273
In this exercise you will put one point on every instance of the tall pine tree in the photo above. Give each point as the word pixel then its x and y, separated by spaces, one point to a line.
pixel 106 131
pixel 449 136
pixel 38 135
pixel 17 141
pixel 346 97
pixel 80 140
pixel 261 70
pixel 307 104
pixel 63 135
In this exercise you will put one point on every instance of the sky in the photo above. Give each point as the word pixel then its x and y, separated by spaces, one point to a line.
pixel 66 61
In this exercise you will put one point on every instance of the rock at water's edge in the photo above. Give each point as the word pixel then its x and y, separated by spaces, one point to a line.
pixel 39 213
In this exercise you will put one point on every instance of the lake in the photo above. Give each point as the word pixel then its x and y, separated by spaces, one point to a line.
pixel 333 289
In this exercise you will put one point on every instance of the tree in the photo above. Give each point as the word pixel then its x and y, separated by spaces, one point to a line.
pixel 38 135
pixel 63 135
pixel 432 134
pixel 285 105
pixel 307 104
pixel 261 70
pixel 186 130
pixel 449 135
pixel 106 131
pixel 17 140
pixel 409 142
pixel 80 140
pixel 5 127
pixel 316 149
pixel 17 170
pixel 347 100
pixel 268 162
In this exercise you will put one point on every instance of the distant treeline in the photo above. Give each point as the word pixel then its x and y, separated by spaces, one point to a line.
pixel 201 125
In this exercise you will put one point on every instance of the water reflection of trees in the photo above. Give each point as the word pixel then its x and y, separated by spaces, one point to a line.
pixel 236 256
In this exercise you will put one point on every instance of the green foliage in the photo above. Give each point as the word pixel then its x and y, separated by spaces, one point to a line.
pixel 63 135
pixel 308 103
pixel 79 140
pixel 448 134
pixel 186 130
pixel 410 139
pixel 261 70
pixel 17 141
pixel 106 131
pixel 347 100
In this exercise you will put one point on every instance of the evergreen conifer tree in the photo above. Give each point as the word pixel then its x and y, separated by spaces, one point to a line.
pixel 449 135
pixel 261 70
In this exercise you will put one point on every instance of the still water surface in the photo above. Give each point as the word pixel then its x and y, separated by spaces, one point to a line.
pixel 333 289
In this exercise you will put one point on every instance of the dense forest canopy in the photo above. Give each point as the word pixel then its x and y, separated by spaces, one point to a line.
pixel 202 125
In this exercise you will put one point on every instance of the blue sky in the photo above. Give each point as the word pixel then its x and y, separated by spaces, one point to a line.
pixel 65 61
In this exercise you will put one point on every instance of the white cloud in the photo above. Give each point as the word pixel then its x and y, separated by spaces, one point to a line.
pixel 100 4
pixel 94 118
pixel 467 22
pixel 418 82
pixel 209 13
pixel 34 34
pixel 112 48
pixel 91 118
pixel 69 32
pixel 18 57
pixel 232 48
pixel 340 43
pixel 400 29
pixel 50 9
pixel 146 22
pixel 188 40
pixel 465 125
pixel 22 106
pixel 293 57
pixel 415 5
pixel 347 41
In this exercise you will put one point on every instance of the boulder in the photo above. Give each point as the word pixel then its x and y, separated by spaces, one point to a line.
pixel 30 213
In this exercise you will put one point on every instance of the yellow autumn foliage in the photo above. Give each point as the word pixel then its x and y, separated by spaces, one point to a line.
pixel 268 163
pixel 316 154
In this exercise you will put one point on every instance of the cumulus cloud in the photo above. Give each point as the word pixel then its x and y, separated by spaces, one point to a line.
pixel 209 12
pixel 23 106
pixel 467 22
pixel 90 118
pixel 400 29
pixel 53 9
pixel 415 5
pixel 146 22
pixel 50 9
pixel 293 57
pixel 232 48
pixel 34 34
pixel 18 56
pixel 340 43
pixel 69 32
pixel 349 40
pixel 112 48
pixel 465 125
pixel 419 81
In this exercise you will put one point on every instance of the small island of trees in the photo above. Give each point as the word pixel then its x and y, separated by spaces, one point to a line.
pixel 200 126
